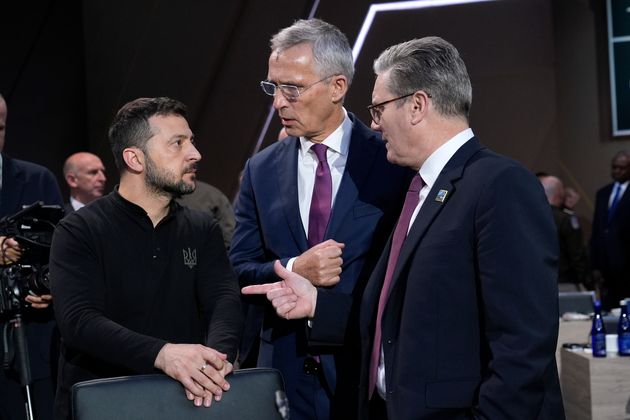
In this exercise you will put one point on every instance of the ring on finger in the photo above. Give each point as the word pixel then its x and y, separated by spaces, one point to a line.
pixel 203 367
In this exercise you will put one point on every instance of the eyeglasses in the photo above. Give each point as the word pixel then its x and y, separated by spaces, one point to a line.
pixel 290 92
pixel 376 110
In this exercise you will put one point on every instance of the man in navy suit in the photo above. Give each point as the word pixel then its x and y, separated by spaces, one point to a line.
pixel 460 316
pixel 279 209
pixel 24 183
pixel 610 238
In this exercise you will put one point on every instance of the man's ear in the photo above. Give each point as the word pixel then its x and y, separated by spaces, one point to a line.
pixel 419 106
pixel 339 85
pixel 71 180
pixel 134 159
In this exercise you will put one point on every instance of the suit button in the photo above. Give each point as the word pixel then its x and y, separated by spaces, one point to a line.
pixel 389 341
pixel 311 366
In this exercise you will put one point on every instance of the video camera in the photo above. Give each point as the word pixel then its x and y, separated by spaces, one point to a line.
pixel 32 227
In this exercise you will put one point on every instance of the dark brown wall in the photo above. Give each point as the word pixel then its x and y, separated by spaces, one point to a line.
pixel 42 80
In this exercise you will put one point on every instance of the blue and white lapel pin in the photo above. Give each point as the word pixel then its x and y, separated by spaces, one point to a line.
pixel 441 196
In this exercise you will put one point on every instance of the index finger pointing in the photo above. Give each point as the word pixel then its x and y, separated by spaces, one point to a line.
pixel 261 289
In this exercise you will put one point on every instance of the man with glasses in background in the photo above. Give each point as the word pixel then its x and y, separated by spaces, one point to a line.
pixel 323 202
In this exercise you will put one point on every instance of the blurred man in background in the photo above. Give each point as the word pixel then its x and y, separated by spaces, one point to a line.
pixel 23 183
pixel 573 266
pixel 610 238
pixel 85 175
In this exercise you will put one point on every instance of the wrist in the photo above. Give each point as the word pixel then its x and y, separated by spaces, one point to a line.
pixel 311 315
pixel 159 359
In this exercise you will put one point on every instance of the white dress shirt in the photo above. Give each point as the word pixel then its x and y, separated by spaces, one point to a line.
pixel 429 171
pixel 338 143
pixel 76 204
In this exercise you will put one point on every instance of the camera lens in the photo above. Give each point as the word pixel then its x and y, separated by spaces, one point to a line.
pixel 39 280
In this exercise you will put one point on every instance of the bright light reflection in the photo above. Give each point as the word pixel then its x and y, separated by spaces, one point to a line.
pixel 400 5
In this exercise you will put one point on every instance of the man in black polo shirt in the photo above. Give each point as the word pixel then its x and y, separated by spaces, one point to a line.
pixel 137 278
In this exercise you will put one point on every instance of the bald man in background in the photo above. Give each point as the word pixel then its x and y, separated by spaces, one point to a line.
pixel 573 265
pixel 85 175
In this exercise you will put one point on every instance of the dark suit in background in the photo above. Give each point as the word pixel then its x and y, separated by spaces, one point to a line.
pixel 211 200
pixel 24 183
pixel 269 228
pixel 610 237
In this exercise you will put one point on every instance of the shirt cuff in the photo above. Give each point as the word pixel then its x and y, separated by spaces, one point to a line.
pixel 290 263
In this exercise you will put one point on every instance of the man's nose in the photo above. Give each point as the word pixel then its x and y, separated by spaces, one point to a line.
pixel 194 154
pixel 375 126
pixel 279 101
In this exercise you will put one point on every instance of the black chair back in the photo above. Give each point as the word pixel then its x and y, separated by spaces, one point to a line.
pixel 252 395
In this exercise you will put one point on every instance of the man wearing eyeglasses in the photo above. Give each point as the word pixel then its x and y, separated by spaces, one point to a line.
pixel 459 319
pixel 322 201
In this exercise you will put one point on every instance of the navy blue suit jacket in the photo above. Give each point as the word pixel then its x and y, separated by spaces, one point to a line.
pixel 610 244
pixel 471 324
pixel 24 183
pixel 269 227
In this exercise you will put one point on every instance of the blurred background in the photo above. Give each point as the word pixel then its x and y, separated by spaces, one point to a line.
pixel 539 68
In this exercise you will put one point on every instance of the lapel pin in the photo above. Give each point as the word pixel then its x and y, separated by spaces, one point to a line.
pixel 441 196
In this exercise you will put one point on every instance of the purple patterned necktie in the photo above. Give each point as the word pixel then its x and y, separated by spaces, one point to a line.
pixel 322 198
pixel 400 233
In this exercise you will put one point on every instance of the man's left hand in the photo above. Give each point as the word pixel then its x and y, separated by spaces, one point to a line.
pixel 39 302
pixel 10 250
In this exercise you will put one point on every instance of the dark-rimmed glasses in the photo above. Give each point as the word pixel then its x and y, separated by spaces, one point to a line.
pixel 290 92
pixel 376 110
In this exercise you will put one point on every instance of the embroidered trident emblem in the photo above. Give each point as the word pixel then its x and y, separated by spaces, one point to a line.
pixel 190 258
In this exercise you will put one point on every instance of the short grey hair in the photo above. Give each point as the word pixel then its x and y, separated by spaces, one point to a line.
pixel 331 51
pixel 430 64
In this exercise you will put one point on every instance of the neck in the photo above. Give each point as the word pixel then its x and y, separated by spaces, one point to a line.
pixel 334 121
pixel 133 188
pixel 437 134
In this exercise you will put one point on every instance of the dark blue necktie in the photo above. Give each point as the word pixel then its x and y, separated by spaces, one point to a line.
pixel 615 200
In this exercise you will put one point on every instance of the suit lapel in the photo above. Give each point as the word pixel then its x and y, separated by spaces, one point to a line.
pixel 432 206
pixel 361 153
pixel 286 168
pixel 622 205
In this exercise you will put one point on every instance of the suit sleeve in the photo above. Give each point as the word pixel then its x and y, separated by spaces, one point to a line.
pixel 50 189
pixel 248 252
pixel 78 288
pixel 329 325
pixel 516 246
